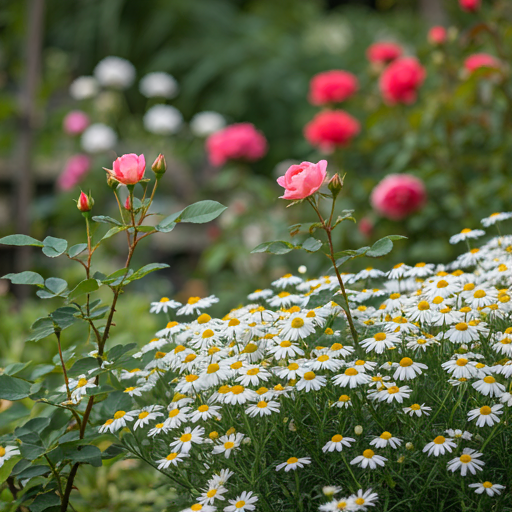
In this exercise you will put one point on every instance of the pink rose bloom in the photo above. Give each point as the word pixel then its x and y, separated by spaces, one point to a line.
pixel 75 169
pixel 75 122
pixel 470 5
pixel 332 87
pixel 236 142
pixel 437 35
pixel 383 52
pixel 398 195
pixel 301 181
pixel 331 128
pixel 481 60
pixel 400 81
pixel 128 169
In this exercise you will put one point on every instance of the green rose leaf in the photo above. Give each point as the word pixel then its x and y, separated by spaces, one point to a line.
pixel 87 454
pixel 276 247
pixel 26 277
pixel 54 247
pixel 311 245
pixel 119 350
pixel 105 219
pixel 117 277
pixel 20 240
pixel 113 231
pixel 44 502
pixel 86 286
pixel 64 317
pixel 41 328
pixel 201 212
pixel 6 468
pixel 383 246
pixel 12 388
pixel 82 366
pixel 75 250
pixel 145 270
pixel 169 223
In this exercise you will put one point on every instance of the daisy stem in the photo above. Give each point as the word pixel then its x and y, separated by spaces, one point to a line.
pixel 440 407
pixel 491 435
pixel 350 470
pixel 297 485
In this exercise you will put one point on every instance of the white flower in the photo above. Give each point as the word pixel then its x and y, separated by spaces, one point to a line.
pixel 205 412
pixel 439 446
pixel 467 461
pixel 83 88
pixel 496 217
pixel 115 72
pixel 369 458
pixel 162 120
pixel 212 493
pixel 293 463
pixel 297 327
pixel 489 488
pixel 385 439
pixel 158 85
pixel 352 378
pixel 228 444
pixel 417 409
pixel 489 387
pixel 287 280
pixel 206 123
pixel 459 434
pixel 260 294
pixel 163 305
pixel 80 387
pixel 262 408
pixel 194 305
pixel 97 138
pixel 408 369
pixel 460 368
pixel 146 414
pixel 380 341
pixel 337 443
pixel 466 234
pixel 221 478
pixel 189 436
pixel 364 499
pixel 6 453
pixel 173 458
pixel 243 502
pixel 285 349
pixel 485 415
pixel 158 429
pixel 392 392
pixel 311 381
pixel 506 398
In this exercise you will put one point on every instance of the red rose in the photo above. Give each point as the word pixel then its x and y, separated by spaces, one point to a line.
pixel 400 81
pixel 331 128
pixel 383 52
pixel 332 87
pixel 437 35
pixel 481 60
pixel 470 5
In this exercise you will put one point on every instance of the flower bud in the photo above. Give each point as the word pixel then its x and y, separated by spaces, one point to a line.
pixel 358 430
pixel 213 435
pixel 409 446
pixel 292 427
pixel 401 460
pixel 329 490
pixel 112 182
pixel 127 204
pixel 159 166
pixel 335 185
pixel 246 440
pixel 302 269
pixel 85 203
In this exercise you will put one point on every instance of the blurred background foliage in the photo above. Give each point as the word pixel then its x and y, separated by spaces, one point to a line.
pixel 250 61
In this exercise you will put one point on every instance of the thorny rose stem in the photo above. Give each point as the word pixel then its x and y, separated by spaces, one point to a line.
pixel 327 227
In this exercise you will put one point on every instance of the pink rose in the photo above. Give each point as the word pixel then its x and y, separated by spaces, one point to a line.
pixel 437 35
pixel 75 169
pixel 398 195
pixel 400 81
pixel 481 60
pixel 85 203
pixel 236 142
pixel 301 181
pixel 330 129
pixel 383 52
pixel 332 87
pixel 470 5
pixel 75 122
pixel 128 169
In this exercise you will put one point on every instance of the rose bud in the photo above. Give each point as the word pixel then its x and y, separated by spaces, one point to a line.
pixel 335 185
pixel 127 204
pixel 128 169
pixel 437 35
pixel 159 166
pixel 85 203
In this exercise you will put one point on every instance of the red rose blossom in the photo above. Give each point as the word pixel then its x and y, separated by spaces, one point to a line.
pixel 398 195
pixel 437 35
pixel 470 5
pixel 481 60
pixel 236 142
pixel 400 81
pixel 331 128
pixel 332 87
pixel 383 52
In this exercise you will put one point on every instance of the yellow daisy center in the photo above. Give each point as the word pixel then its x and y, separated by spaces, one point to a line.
pixel 368 454
pixel 485 410
pixel 119 414
pixel 406 361
pixel 309 375
pixel 297 323
pixel 185 438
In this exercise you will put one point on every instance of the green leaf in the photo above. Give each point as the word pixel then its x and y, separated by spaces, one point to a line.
pixel 105 219
pixel 14 368
pixel 56 285
pixel 6 468
pixel 12 388
pixel 26 277
pixel 276 247
pixel 20 240
pixel 169 223
pixel 87 286
pixel 117 277
pixel 83 366
pixel 201 212
pixel 311 245
pixel 15 412
pixel 145 270
pixel 113 231
pixel 98 313
pixel 54 247
pixel 42 369
pixel 75 250
pixel 64 317
pixel 394 238
pixel 88 454
pixel 44 502
pixel 113 451
pixel 41 328
pixel 119 350
pixel 145 229
pixel 35 470
pixel 380 248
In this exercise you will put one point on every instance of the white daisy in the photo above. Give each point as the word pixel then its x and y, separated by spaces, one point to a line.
pixel 205 412
pixel 337 443
pixel 488 386
pixel 163 305
pixel 241 503
pixel 485 415
pixel 293 463
pixel 380 342
pixel 385 439
pixel 351 378
pixel 194 305
pixel 468 461
pixel 369 459
pixel 146 414
pixel 262 408
pixel 439 446
pixel 496 217
pixel 189 436
pixel 287 280
pixel 408 369
pixel 418 410
pixel 173 458
pixel 260 294
pixel 489 488
pixel 6 453
pixel 177 416
pixel 159 428
pixel 228 444
pixel 459 434
pixel 392 392
pixel 311 381
pixel 466 234
pixel 212 493
pixel 297 327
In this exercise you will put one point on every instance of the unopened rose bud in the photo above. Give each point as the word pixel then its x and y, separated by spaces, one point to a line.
pixel 112 182
pixel 85 203
pixel 409 446
pixel 159 166
pixel 358 430
pixel 127 204
pixel 335 185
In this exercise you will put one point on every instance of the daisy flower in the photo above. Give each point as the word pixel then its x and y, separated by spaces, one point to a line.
pixel 120 419
pixel 189 436
pixel 420 270
pixel 297 327
pixel 466 234
pixel 385 439
pixel 343 402
pixel 212 493
pixel 351 378
pixel 146 414
pixel 380 342
pixel 485 415
pixel 462 333
pixel 285 299
pixel 365 499
pixel 393 393
pixel 489 387
pixel 158 429
pixel 369 459
pixel 260 294
pixel 200 507
pixel 293 463
pixel 468 461
pixel 489 488
pixel 177 416
pixel 228 444
pixel 337 443
pixel 239 395
pixel 163 305
pixel 292 371
pixel 325 362
pixel 220 479
pixel 439 446
pixel 408 369
pixel 173 458
pixel 496 217
pixel 417 409
pixel 482 297
pixel 262 408
pixel 241 503
pixel 459 434
pixel 506 398
pixel 170 329
pixel 311 381
pixel 420 312
pixel 399 271
pixel 194 305
pixel 205 412
pixel 81 385
pixel 285 349
pixel 287 280
pixel 6 453
pixel 460 367
pixel 252 375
